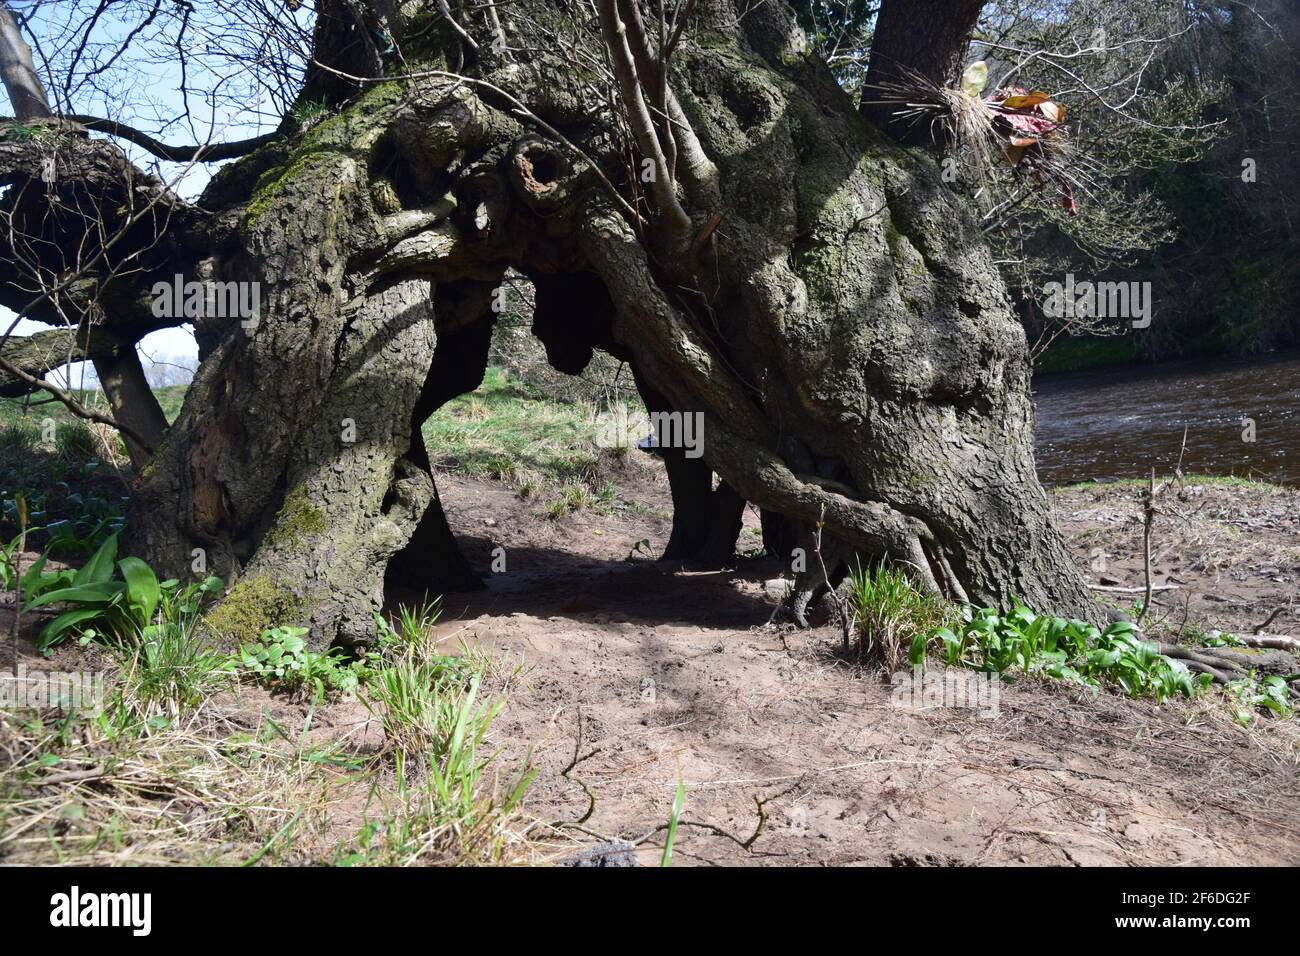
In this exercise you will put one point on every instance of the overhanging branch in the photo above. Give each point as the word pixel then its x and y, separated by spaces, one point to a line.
pixel 210 152
pixel 17 72
pixel 35 356
pixel 71 401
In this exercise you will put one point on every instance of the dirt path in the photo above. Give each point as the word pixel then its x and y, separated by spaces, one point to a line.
pixel 677 673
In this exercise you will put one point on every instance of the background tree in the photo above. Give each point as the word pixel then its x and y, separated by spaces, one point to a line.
pixel 1167 101
pixel 1231 276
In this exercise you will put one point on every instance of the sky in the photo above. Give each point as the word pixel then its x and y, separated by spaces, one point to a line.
pixel 148 100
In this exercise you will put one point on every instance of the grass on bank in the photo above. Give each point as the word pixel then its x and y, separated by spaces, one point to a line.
pixel 1085 354
pixel 70 475
pixel 1215 481
pixel 1090 353
pixel 167 772
pixel 508 430
pixel 39 406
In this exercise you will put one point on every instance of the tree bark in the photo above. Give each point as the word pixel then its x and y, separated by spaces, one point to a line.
pixel 133 402
pixel 41 352
pixel 925 38
pixel 26 93
pixel 829 308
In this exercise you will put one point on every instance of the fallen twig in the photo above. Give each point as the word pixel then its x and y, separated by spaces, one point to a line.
pixel 1110 589
pixel 1281 642
pixel 1148 523
pixel 72 776
pixel 760 804
pixel 565 773
pixel 841 602
pixel 1270 619
pixel 1149 512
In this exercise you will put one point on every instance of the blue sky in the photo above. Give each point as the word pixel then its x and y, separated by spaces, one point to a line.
pixel 146 95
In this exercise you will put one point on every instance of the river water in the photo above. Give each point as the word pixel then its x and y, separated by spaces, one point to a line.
pixel 1094 426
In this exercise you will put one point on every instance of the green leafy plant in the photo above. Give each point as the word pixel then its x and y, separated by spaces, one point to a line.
pixel 526 485
pixel 9 562
pixel 280 659
pixel 22 133
pixel 1071 650
pixel 1252 693
pixel 1219 639
pixel 447 811
pixel 76 537
pixel 37 581
pixel 640 549
pixel 99 603
pixel 413 641
pixel 605 498
pixel 10 554
pixel 674 816
pixel 183 604
pixel 436 722
pixel 72 522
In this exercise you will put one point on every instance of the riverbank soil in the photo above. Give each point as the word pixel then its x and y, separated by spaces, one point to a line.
pixel 1228 552
pixel 670 673
pixel 677 673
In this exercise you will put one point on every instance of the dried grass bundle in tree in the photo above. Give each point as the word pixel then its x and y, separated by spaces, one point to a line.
pixel 1024 130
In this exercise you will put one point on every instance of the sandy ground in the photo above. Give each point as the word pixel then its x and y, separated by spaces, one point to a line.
pixel 1232 552
pixel 673 673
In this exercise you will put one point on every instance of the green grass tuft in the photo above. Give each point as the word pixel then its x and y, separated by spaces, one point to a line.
pixel 890 612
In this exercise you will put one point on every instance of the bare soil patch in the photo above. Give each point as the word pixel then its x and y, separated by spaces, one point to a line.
pixel 677 673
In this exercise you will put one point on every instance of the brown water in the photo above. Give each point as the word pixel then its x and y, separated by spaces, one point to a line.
pixel 1094 426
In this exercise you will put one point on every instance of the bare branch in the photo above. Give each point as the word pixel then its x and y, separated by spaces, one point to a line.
pixel 677 223
pixel 70 401
pixel 210 153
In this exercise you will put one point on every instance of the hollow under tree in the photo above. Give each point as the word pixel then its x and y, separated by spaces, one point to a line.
pixel 726 221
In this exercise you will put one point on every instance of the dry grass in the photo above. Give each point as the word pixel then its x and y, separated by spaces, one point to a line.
pixel 964 122
pixel 217 788
pixel 108 445
pixel 203 792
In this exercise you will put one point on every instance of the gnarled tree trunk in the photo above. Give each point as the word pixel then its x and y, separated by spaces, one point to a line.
pixel 810 288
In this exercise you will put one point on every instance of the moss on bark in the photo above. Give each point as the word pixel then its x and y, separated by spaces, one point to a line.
pixel 254 605
pixel 297 518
